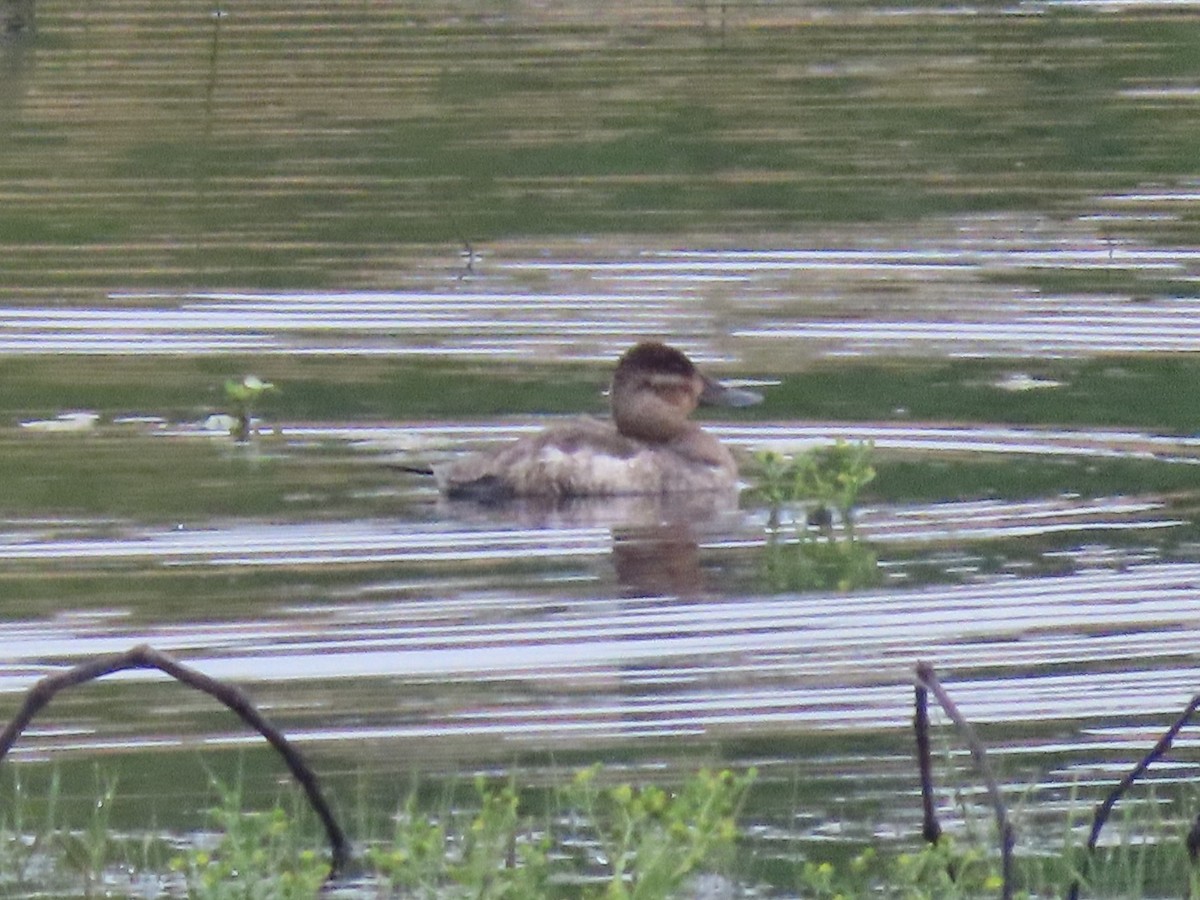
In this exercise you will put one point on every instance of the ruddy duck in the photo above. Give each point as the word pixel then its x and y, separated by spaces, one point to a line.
pixel 649 447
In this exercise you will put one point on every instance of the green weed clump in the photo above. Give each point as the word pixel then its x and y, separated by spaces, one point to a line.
pixel 649 840
pixel 820 479
pixel 653 840
pixel 498 855
pixel 594 840
pixel 256 855
pixel 243 397
pixel 808 546
pixel 645 842
pixel 946 870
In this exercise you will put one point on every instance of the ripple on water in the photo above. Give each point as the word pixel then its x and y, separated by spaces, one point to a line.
pixel 591 307
pixel 1064 648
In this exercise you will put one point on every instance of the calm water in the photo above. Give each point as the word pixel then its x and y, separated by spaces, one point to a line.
pixel 967 235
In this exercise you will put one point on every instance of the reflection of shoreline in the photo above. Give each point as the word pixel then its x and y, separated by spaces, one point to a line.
pixel 655 538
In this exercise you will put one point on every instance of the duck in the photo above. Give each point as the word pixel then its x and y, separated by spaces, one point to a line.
pixel 648 446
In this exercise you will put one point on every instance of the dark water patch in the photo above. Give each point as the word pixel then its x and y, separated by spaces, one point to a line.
pixel 88 474
pixel 320 388
pixel 1028 477
pixel 1118 391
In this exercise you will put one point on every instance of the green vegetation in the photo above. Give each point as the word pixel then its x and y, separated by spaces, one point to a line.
pixel 1145 857
pixel 607 841
pixel 942 871
pixel 618 842
pixel 807 548
pixel 243 396
pixel 828 479
pixel 38 847
pixel 653 839
pixel 592 838
pixel 256 855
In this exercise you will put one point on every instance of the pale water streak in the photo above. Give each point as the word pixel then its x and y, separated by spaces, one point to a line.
pixel 950 438
pixel 817 301
pixel 1104 646
pixel 502 539
pixel 790 437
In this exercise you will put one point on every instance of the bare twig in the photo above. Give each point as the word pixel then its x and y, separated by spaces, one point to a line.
pixel 928 679
pixel 144 656
pixel 1104 809
pixel 930 828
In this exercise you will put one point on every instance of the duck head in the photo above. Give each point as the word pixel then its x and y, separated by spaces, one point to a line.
pixel 655 388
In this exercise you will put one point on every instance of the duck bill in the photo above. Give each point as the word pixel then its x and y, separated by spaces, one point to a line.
pixel 717 394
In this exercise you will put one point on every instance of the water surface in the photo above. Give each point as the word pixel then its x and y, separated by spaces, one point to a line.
pixel 968 236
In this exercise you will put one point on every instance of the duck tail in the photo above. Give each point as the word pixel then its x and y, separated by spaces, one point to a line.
pixel 415 470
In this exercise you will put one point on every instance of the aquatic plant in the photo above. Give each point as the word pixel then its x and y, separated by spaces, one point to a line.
pixel 652 840
pixel 597 840
pixel 820 479
pixel 256 855
pixel 86 852
pixel 497 855
pixel 415 858
pixel 41 855
pixel 805 548
pixel 243 397
pixel 645 841
pixel 945 870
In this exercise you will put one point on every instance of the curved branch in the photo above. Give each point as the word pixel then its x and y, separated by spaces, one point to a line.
pixel 927 678
pixel 144 656
pixel 1104 809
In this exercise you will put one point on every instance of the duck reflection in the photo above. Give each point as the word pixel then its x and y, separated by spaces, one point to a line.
pixel 656 538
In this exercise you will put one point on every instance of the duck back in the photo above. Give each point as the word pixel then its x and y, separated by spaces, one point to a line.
pixel 588 457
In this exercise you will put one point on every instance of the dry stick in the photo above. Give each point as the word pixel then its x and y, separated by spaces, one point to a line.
pixel 1105 808
pixel 146 657
pixel 930 827
pixel 926 676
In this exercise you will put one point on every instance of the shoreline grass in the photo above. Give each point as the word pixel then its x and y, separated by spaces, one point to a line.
pixel 594 836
